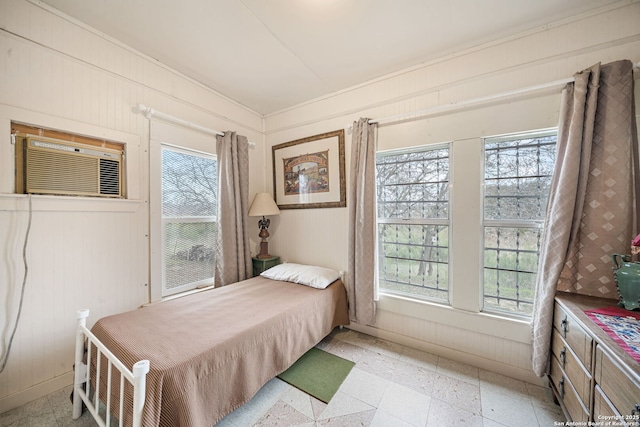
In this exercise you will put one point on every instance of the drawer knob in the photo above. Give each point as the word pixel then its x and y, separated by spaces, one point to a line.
pixel 561 388
pixel 563 356
pixel 563 326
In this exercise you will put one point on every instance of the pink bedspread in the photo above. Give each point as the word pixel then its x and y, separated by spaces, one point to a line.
pixel 212 351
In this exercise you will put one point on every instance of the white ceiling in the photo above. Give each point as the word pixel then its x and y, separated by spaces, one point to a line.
pixel 269 55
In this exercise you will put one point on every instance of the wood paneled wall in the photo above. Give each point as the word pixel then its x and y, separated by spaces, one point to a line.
pixel 57 73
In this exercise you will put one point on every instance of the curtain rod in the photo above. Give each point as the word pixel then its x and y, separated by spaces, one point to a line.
pixel 471 102
pixel 149 112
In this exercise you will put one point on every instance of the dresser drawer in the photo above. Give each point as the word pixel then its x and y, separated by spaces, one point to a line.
pixel 574 335
pixel 567 393
pixel 572 367
pixel 604 412
pixel 602 407
pixel 621 389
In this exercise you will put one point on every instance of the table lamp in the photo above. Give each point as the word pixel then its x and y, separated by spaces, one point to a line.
pixel 263 205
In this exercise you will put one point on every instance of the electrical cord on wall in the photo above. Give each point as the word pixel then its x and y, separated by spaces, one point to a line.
pixel 24 285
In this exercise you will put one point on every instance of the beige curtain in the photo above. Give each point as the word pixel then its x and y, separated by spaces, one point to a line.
pixel 594 194
pixel 361 277
pixel 233 257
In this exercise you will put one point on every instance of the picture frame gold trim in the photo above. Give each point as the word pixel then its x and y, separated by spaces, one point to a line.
pixel 308 173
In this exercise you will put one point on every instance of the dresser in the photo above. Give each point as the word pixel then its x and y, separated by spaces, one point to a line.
pixel 592 377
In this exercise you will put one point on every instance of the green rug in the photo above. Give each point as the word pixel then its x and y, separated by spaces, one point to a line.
pixel 318 373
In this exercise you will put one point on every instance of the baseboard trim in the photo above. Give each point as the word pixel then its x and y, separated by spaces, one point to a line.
pixel 37 391
pixel 458 356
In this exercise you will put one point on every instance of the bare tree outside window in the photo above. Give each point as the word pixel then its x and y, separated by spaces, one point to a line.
pixel 517 179
pixel 413 222
pixel 189 205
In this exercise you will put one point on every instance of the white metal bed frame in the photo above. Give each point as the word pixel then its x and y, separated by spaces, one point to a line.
pixel 82 391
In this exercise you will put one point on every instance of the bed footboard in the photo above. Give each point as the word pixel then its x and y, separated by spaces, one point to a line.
pixel 82 392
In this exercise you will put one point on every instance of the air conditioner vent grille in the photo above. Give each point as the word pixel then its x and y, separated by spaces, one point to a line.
pixel 109 177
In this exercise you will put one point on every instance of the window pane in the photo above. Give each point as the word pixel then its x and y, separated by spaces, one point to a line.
pixel 510 266
pixel 189 204
pixel 189 254
pixel 189 184
pixel 517 180
pixel 517 177
pixel 413 260
pixel 413 253
pixel 413 185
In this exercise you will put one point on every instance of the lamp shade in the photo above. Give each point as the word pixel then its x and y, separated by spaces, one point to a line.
pixel 263 205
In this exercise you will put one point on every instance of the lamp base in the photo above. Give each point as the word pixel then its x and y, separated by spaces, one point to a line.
pixel 264 250
pixel 264 234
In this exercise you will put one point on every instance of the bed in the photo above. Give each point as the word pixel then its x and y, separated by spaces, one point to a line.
pixel 207 353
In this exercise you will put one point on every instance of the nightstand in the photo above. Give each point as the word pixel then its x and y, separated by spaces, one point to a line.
pixel 260 265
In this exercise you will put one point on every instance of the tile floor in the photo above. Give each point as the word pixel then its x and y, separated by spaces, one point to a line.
pixel 390 385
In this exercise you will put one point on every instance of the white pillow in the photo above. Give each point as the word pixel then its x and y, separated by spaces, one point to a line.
pixel 309 275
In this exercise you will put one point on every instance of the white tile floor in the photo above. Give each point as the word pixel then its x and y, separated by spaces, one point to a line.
pixel 390 385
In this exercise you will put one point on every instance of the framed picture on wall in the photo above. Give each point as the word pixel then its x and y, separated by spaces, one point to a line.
pixel 309 172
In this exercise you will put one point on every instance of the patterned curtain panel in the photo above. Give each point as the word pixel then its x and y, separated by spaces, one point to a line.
pixel 361 277
pixel 233 257
pixel 594 196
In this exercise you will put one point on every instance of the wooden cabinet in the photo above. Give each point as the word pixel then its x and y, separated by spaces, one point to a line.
pixel 592 377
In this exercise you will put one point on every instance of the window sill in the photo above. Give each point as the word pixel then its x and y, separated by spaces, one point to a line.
pixel 20 202
pixel 181 294
pixel 489 324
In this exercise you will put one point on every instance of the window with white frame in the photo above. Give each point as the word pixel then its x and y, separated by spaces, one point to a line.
pixel 413 222
pixel 188 218
pixel 517 177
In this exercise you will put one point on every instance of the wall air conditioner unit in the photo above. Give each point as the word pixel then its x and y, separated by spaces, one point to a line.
pixel 51 166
